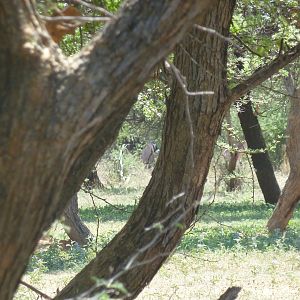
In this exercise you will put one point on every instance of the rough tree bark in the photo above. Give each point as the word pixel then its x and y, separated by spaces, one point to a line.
pixel 291 192
pixel 58 114
pixel 169 179
pixel 184 175
pixel 261 161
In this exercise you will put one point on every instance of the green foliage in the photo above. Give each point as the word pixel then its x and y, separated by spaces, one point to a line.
pixel 145 120
pixel 238 226
pixel 55 258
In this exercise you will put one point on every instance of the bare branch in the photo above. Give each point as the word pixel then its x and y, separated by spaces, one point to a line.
pixel 263 73
pixel 94 7
pixel 212 31
pixel 29 286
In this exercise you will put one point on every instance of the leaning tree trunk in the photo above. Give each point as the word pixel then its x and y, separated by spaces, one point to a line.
pixel 172 197
pixel 291 191
pixel 76 230
pixel 58 115
pixel 261 161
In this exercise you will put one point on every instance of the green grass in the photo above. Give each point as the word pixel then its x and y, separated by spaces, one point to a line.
pixel 229 245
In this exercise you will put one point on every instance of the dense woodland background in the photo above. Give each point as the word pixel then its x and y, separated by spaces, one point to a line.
pixel 192 155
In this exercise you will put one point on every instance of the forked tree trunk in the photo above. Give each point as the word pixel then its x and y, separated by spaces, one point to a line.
pixel 76 229
pixel 137 252
pixel 58 115
pixel 261 161
pixel 291 191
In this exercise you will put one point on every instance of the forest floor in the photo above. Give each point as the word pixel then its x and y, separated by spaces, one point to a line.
pixel 228 246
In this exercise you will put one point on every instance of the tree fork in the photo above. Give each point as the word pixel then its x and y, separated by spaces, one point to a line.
pixel 291 192
pixel 58 114
pixel 177 179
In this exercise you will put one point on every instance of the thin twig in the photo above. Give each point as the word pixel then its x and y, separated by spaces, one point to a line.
pixel 246 46
pixel 214 32
pixel 276 91
pixel 104 200
pixel 98 222
pixel 183 85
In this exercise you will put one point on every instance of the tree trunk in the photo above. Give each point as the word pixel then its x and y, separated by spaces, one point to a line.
pixel 92 181
pixel 261 161
pixel 234 182
pixel 58 115
pixel 172 197
pixel 76 230
pixel 291 191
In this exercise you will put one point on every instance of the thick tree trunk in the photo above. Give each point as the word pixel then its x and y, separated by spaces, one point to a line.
pixel 172 197
pixel 291 192
pixel 92 181
pixel 58 114
pixel 234 182
pixel 261 161
pixel 76 230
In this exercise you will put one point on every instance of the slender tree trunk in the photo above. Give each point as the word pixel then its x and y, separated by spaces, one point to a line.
pixel 234 182
pixel 261 161
pixel 291 192
pixel 172 197
pixel 76 230
pixel 256 142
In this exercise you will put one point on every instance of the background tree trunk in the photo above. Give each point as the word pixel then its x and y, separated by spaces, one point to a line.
pixel 76 230
pixel 58 115
pixel 261 161
pixel 234 182
pixel 172 197
pixel 291 192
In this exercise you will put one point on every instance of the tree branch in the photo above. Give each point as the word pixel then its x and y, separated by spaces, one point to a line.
pixel 112 70
pixel 262 74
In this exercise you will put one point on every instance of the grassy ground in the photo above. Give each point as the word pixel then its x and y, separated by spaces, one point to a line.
pixel 228 246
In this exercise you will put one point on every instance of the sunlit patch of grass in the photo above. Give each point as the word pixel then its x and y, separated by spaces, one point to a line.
pixel 229 245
